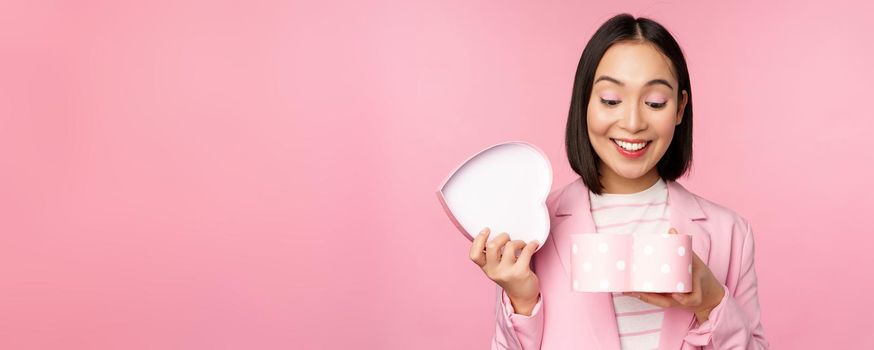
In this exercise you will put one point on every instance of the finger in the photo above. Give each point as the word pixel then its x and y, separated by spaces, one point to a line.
pixel 477 249
pixel 682 298
pixel 694 297
pixel 508 257
pixel 673 231
pixel 493 252
pixel 656 299
pixel 527 252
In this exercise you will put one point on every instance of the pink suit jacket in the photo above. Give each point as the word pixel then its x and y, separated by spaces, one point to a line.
pixel 564 319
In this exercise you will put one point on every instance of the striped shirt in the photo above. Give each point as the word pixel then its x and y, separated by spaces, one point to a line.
pixel 639 323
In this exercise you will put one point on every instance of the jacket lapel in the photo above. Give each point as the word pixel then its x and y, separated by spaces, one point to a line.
pixel 685 214
pixel 685 211
pixel 574 203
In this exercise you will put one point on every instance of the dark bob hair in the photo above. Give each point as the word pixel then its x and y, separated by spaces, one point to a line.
pixel 582 157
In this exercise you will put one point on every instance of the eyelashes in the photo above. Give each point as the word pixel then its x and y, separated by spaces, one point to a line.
pixel 610 102
pixel 656 105
pixel 653 105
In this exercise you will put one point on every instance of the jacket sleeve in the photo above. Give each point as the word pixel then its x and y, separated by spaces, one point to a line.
pixel 736 322
pixel 515 331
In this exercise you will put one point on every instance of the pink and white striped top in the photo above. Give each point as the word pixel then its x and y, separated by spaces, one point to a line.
pixel 639 323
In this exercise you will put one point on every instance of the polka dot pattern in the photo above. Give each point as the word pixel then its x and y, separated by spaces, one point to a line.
pixel 647 286
pixel 603 247
pixel 600 262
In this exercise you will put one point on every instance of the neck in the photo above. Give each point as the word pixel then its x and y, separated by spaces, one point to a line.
pixel 614 183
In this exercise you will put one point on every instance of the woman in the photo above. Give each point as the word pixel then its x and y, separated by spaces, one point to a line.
pixel 629 137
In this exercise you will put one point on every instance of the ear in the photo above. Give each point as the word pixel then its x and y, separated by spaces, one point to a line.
pixel 682 108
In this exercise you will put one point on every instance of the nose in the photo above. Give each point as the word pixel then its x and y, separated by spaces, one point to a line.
pixel 632 119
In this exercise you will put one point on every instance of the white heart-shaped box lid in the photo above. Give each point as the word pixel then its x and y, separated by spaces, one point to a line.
pixel 503 187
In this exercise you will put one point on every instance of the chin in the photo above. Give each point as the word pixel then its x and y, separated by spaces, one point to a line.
pixel 630 172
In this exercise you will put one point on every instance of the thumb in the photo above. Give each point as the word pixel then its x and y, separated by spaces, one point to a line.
pixel 673 231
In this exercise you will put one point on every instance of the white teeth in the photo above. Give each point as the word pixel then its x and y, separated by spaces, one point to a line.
pixel 628 146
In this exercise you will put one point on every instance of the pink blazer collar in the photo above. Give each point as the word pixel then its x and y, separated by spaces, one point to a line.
pixel 685 211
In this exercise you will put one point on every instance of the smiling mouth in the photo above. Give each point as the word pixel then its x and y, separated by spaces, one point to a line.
pixel 631 148
pixel 630 145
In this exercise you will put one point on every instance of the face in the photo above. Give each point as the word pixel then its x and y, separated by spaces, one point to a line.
pixel 633 110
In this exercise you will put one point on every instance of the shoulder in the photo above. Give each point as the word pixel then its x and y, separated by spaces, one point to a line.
pixel 729 230
pixel 561 192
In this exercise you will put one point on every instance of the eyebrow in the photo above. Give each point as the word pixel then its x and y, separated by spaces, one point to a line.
pixel 617 82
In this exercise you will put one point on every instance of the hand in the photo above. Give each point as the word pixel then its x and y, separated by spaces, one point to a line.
pixel 500 264
pixel 707 292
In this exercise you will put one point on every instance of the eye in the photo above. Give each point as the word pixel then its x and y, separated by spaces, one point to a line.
pixel 610 102
pixel 656 105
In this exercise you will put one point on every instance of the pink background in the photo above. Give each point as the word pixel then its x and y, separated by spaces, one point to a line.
pixel 229 175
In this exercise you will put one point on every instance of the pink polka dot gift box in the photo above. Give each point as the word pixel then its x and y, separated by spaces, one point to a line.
pixel 642 262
